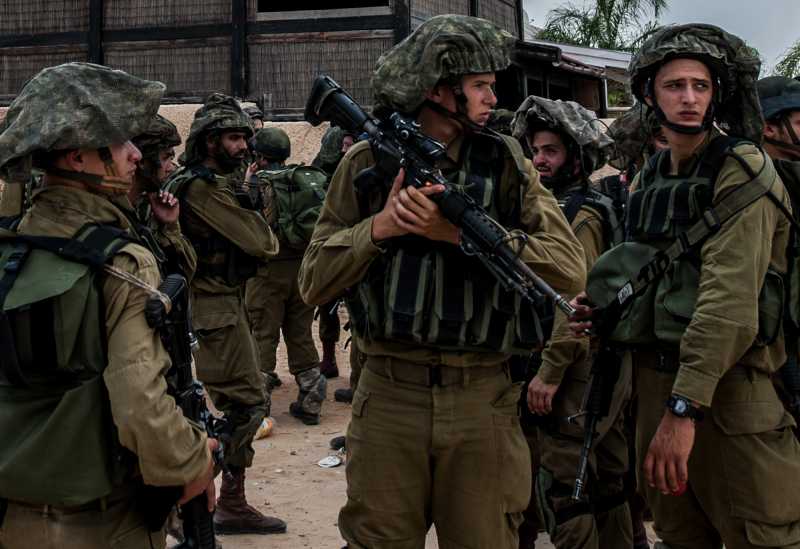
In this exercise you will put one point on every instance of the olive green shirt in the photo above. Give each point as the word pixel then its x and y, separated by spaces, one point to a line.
pixel 170 450
pixel 342 249
pixel 588 229
pixel 734 262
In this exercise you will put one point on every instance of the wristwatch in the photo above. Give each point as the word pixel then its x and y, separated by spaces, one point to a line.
pixel 681 407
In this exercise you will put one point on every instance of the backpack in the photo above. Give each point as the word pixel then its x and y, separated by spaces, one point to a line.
pixel 604 205
pixel 299 192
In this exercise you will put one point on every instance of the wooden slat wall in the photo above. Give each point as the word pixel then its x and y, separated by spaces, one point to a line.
pixel 42 16
pixel 192 67
pixel 422 10
pixel 503 13
pixel 283 66
pixel 18 65
pixel 126 14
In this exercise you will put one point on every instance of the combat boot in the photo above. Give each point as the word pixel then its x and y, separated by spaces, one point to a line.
pixel 235 516
pixel 327 366
pixel 313 388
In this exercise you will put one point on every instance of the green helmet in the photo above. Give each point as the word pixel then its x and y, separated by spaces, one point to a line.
pixel 442 47
pixel 74 106
pixel 272 143
pixel 161 135
pixel 632 133
pixel 570 120
pixel 734 66
pixel 778 94
pixel 220 113
pixel 330 150
pixel 500 120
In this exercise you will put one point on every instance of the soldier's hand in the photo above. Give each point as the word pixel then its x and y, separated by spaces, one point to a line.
pixel 410 211
pixel 204 482
pixel 580 323
pixel 252 168
pixel 666 464
pixel 540 396
pixel 166 208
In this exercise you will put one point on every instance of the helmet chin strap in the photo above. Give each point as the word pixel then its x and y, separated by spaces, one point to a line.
pixel 110 183
pixel 459 116
pixel 792 149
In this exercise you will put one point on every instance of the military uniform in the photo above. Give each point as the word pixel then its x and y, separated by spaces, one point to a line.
pixel 434 436
pixel 150 440
pixel 291 194
pixel 706 328
pixel 229 240
pixel 602 520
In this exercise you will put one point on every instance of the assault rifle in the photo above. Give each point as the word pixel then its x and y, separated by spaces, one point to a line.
pixel 398 142
pixel 174 327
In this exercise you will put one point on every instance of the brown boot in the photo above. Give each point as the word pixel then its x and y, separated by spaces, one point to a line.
pixel 327 366
pixel 235 516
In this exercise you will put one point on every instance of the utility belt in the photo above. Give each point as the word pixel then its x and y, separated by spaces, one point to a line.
pixel 120 493
pixel 430 375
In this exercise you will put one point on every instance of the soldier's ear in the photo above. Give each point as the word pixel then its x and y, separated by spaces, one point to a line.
pixel 73 160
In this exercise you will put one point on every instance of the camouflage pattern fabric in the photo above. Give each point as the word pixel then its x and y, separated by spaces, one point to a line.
pixel 253 112
pixel 75 106
pixel 442 47
pixel 500 121
pixel 330 150
pixel 568 117
pixel 734 62
pixel 161 134
pixel 273 143
pixel 220 112
pixel 631 133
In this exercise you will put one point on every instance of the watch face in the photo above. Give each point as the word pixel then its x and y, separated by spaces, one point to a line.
pixel 680 407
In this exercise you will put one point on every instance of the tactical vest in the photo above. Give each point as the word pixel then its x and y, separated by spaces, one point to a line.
pixel 216 255
pixel 298 194
pixel 60 446
pixel 573 199
pixel 432 294
pixel 656 272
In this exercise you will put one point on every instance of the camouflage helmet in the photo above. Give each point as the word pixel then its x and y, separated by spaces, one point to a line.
pixel 778 94
pixel 253 112
pixel 569 119
pixel 272 143
pixel 442 47
pixel 632 133
pixel 733 64
pixel 500 120
pixel 330 150
pixel 220 113
pixel 160 134
pixel 75 106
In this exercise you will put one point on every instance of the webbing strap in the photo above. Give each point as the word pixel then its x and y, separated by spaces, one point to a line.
pixel 711 221
pixel 574 205
pixel 9 364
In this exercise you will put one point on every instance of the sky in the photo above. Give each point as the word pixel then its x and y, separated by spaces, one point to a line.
pixel 771 26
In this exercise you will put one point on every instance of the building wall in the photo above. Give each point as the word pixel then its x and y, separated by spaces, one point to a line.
pixel 126 14
pixel 18 65
pixel 41 16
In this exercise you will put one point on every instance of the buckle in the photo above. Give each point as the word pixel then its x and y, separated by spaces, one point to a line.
pixel 711 219
pixel 15 261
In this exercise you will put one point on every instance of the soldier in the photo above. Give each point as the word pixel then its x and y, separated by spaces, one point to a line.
pixel 256 116
pixel 699 291
pixel 780 102
pixel 568 144
pixel 230 237
pixel 293 197
pixel 335 143
pixel 434 435
pixel 84 412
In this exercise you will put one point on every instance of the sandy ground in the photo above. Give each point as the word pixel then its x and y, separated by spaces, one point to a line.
pixel 285 480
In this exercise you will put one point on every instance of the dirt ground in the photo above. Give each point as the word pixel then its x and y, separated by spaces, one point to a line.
pixel 285 480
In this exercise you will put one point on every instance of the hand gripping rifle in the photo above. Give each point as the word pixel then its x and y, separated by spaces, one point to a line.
pixel 174 327
pixel 399 143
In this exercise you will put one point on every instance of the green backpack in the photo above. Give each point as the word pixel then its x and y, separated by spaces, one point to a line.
pixel 59 446
pixel 299 192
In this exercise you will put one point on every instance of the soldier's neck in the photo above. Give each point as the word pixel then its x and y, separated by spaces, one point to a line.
pixel 683 148
pixel 441 128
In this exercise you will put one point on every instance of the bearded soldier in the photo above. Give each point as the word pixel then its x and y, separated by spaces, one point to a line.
pixel 230 237
pixel 84 409
pixel 696 297
pixel 568 144
pixel 434 435
pixel 292 199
